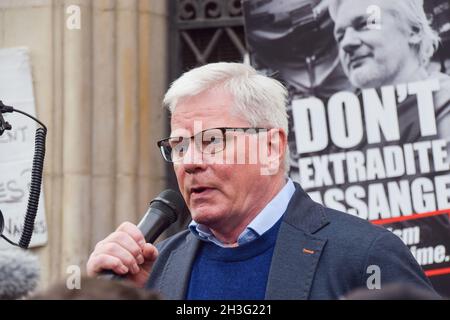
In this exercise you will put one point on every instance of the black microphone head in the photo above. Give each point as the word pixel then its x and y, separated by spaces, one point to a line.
pixel 171 203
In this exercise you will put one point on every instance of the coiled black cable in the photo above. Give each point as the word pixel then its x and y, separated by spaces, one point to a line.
pixel 35 188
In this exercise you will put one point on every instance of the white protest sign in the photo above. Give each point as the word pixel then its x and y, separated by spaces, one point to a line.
pixel 17 147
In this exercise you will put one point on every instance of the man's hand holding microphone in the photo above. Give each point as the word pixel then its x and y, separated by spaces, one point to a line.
pixel 127 252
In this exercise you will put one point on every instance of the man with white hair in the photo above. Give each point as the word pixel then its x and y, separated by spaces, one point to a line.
pixel 255 233
pixel 385 42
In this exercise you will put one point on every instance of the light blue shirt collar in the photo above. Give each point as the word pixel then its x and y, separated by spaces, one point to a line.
pixel 271 213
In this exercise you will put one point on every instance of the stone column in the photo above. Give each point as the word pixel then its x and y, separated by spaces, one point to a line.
pixel 104 119
pixel 77 138
pixel 127 115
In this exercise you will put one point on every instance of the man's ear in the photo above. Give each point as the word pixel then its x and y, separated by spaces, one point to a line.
pixel 276 149
pixel 277 142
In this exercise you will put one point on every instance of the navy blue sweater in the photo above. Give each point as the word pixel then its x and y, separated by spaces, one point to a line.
pixel 233 273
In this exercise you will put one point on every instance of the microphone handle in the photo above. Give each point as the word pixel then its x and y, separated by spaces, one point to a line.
pixel 151 225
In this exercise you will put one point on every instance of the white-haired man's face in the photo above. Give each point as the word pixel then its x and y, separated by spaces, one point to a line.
pixel 372 55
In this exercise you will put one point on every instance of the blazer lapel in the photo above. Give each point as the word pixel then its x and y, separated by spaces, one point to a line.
pixel 297 250
pixel 179 267
pixel 294 263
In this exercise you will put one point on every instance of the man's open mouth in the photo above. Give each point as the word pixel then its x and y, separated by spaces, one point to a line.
pixel 200 190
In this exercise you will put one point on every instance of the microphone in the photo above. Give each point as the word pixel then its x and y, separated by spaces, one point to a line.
pixel 162 212
pixel 19 274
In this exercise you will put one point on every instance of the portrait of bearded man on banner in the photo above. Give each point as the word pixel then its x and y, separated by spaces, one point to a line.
pixel 396 49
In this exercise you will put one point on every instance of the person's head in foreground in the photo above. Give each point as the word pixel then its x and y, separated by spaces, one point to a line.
pixel 383 42
pixel 95 289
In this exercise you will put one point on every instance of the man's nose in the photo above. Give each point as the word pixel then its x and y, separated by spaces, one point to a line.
pixel 351 41
pixel 193 159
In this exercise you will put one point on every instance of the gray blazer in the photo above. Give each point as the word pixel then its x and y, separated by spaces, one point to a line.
pixel 320 253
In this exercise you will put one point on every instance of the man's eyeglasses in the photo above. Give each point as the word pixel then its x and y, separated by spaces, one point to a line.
pixel 209 141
